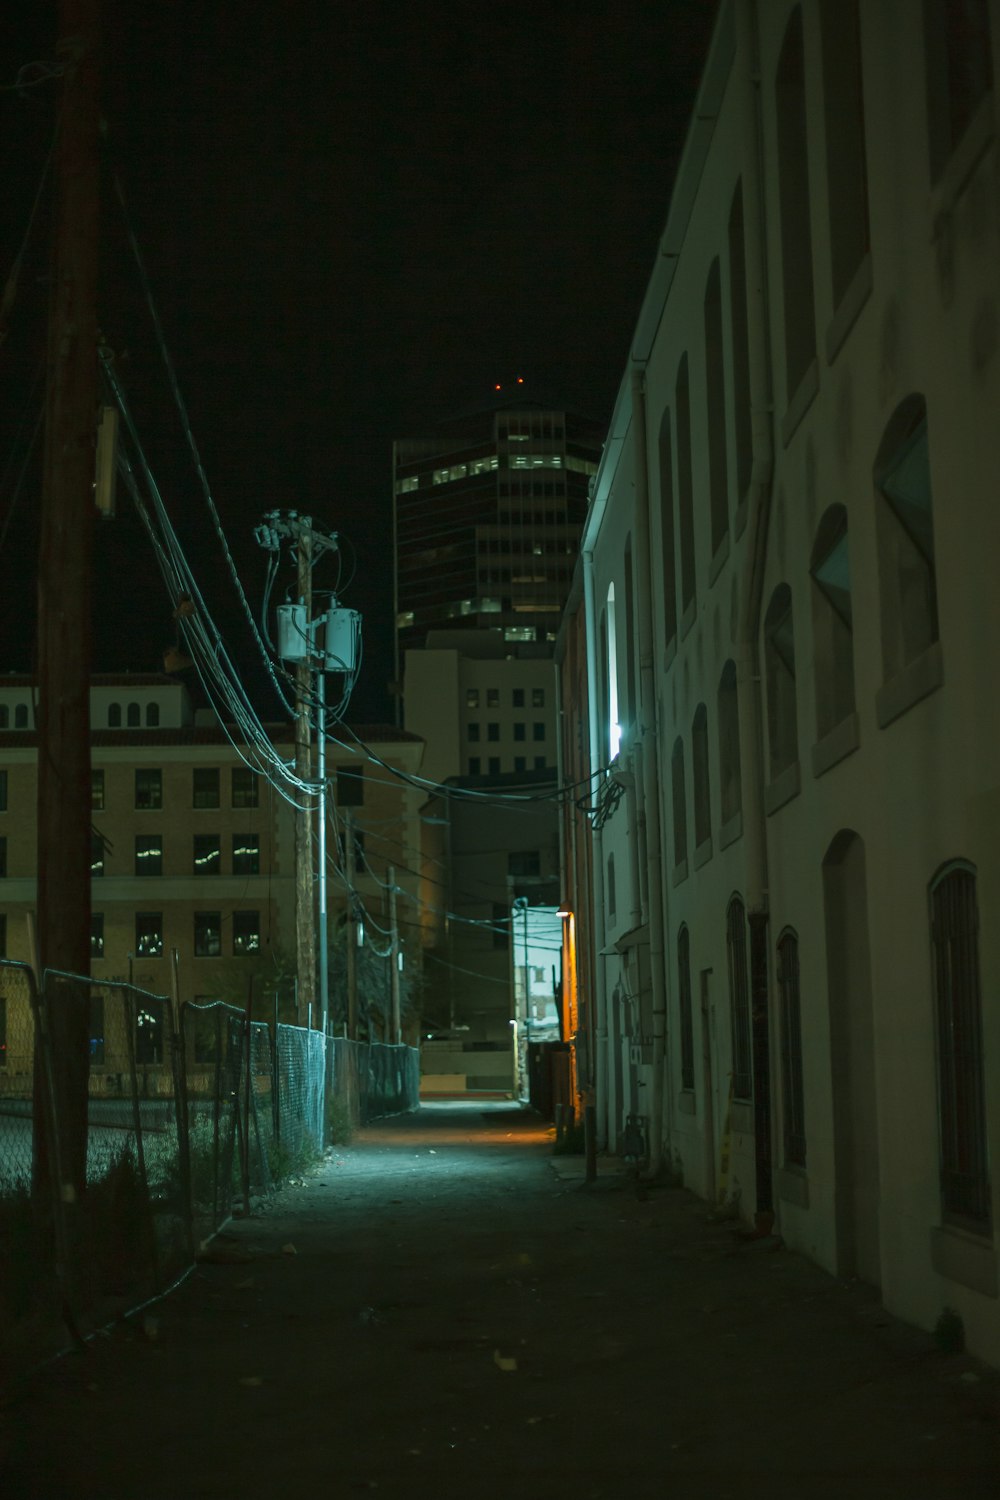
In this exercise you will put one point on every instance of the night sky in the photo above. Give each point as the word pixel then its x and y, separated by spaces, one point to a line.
pixel 356 219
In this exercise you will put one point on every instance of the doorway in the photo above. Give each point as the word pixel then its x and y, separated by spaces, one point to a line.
pixel 852 1060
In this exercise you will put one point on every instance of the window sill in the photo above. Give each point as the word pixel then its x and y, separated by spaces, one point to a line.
pixel 800 402
pixel 687 618
pixel 685 1102
pixel 965 1259
pixel 783 788
pixel 703 853
pixel 731 830
pixel 836 745
pixel 961 165
pixel 793 1186
pixel 846 315
pixel 680 873
pixel 719 560
pixel 918 679
pixel 741 1117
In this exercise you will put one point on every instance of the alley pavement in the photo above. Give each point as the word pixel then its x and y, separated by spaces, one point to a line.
pixel 443 1308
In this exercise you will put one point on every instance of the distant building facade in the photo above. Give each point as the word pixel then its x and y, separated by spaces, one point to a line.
pixel 194 850
pixel 486 521
pixel 791 628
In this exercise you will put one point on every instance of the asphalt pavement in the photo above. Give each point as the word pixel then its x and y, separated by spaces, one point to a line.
pixel 444 1308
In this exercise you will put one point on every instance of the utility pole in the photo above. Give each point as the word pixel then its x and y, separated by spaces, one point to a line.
pixel 397 1028
pixel 305 920
pixel 324 957
pixel 350 933
pixel 64 594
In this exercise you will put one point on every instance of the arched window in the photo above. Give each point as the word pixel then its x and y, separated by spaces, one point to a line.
pixel 4 716
pixel 686 1014
pixel 715 400
pixel 667 530
pixel 679 803
pixel 793 1108
pixel 702 788
pixel 833 629
pixel 739 998
pixel 905 527
pixel 614 722
pixel 958 55
pixel 132 716
pixel 793 197
pixel 20 716
pixel 114 715
pixel 779 654
pixel 741 345
pixel 965 1188
pixel 602 717
pixel 610 893
pixel 846 172
pixel 730 773
pixel 630 708
pixel 685 489
pixel 152 715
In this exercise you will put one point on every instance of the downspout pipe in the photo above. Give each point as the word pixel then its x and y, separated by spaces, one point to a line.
pixel 749 692
pixel 648 789
pixel 600 1062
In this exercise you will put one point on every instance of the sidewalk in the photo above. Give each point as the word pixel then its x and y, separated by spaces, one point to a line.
pixel 443 1309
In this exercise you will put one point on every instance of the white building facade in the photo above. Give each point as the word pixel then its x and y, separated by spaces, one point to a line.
pixel 792 619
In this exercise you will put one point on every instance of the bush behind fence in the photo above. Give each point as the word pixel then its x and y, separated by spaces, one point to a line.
pixel 187 1117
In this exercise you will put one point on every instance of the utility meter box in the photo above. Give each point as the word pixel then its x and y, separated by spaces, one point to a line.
pixel 293 632
pixel 341 638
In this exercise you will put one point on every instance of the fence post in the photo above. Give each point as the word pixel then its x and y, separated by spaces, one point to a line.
pixel 179 1061
pixel 131 1003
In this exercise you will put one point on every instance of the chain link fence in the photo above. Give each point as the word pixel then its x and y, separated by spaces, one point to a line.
pixel 368 1080
pixel 129 1132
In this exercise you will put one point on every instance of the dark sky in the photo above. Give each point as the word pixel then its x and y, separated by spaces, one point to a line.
pixel 356 218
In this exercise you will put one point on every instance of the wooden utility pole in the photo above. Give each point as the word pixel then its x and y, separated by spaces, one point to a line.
pixel 64 594
pixel 351 932
pixel 397 1028
pixel 305 906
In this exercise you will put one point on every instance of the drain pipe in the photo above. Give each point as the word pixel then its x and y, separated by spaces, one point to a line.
pixel 749 693
pixel 648 788
pixel 599 1064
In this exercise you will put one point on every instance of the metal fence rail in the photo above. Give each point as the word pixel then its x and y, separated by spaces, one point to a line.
pixel 187 1114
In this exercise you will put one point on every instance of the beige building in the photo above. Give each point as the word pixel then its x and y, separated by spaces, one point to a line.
pixel 788 568
pixel 193 850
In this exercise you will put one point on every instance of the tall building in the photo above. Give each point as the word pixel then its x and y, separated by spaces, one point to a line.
pixel 790 632
pixel 486 521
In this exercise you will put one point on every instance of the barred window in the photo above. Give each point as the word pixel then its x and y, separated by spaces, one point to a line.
pixel 205 787
pixel 791 1051
pixel 739 999
pixel 207 934
pixel 246 932
pixel 245 787
pixel 148 790
pixel 965 1187
pixel 149 934
pixel 246 853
